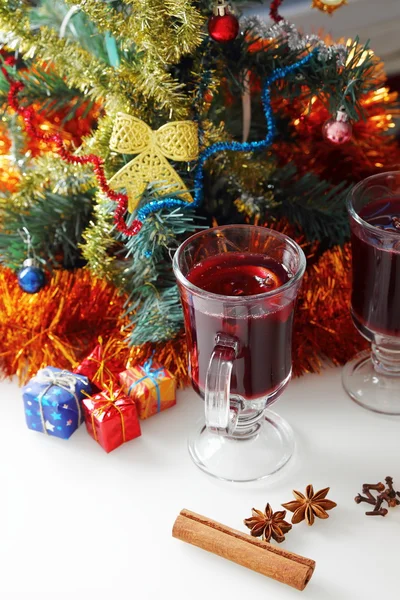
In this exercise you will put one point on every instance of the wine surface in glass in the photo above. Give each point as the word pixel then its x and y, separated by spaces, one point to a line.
pixel 262 329
pixel 376 270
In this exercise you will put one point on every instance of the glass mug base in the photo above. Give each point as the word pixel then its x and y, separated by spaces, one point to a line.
pixel 244 459
pixel 369 388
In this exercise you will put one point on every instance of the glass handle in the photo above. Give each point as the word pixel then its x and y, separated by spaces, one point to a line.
pixel 221 413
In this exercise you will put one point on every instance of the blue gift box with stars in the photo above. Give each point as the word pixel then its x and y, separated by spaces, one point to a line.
pixel 52 401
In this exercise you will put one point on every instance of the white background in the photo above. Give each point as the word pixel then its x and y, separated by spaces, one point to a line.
pixel 76 522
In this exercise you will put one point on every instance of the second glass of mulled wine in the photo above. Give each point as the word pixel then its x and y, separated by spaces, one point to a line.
pixel 372 378
pixel 238 287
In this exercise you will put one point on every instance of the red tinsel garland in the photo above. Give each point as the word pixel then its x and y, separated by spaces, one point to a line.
pixel 273 11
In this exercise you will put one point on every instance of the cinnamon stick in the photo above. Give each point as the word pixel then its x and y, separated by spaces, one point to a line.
pixel 259 556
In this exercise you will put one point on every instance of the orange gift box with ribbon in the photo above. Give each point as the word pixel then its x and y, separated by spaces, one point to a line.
pixel 111 418
pixel 151 386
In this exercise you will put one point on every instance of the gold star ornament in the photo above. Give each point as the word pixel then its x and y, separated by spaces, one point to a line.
pixel 328 6
pixel 307 507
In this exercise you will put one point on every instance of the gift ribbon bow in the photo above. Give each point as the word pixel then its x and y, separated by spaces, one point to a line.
pixel 107 352
pixel 101 371
pixel 63 379
pixel 111 399
pixel 177 140
pixel 151 374
pixel 104 349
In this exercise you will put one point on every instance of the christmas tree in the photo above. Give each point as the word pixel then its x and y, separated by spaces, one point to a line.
pixel 129 124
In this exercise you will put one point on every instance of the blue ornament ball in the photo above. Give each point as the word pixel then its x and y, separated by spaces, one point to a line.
pixel 31 278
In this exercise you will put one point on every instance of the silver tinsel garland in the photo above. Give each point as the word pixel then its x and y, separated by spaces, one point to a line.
pixel 295 39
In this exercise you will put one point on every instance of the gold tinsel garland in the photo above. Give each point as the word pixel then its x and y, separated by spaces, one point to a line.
pixel 79 67
pixel 147 23
pixel 98 239
pixel 116 87
pixel 142 27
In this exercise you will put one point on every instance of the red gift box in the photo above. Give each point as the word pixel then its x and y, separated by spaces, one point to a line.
pixel 111 418
pixel 103 364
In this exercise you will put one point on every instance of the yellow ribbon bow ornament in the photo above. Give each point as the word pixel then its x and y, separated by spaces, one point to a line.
pixel 177 140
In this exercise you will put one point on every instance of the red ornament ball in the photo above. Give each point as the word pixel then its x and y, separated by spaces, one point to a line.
pixel 223 28
pixel 337 131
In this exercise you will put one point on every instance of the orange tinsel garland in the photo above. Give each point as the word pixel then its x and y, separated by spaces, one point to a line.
pixel 371 149
pixel 323 329
pixel 57 326
pixel 61 324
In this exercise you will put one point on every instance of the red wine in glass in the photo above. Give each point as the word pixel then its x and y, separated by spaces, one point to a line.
pixel 376 268
pixel 262 329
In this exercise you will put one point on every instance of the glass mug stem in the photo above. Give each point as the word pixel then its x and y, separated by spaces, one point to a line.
pixel 386 361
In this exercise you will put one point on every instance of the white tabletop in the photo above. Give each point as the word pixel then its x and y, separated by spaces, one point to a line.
pixel 79 523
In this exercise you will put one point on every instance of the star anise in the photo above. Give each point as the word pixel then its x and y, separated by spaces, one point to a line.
pixel 310 506
pixel 269 524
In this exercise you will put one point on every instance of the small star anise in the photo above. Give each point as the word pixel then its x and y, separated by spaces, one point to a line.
pixel 269 524
pixel 310 506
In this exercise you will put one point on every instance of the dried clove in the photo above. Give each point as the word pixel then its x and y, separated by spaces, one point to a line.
pixel 386 494
pixel 358 499
pixel 390 494
pixel 382 512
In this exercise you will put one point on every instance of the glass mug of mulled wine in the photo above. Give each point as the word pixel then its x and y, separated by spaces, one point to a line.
pixel 238 286
pixel 372 378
